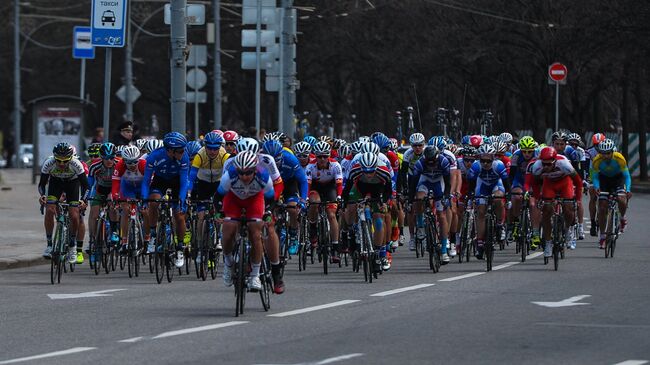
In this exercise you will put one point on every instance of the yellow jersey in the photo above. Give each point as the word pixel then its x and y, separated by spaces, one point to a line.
pixel 209 170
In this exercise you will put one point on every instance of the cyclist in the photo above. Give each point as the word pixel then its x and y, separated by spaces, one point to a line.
pixel 432 174
pixel 385 147
pixel 100 180
pixel 507 138
pixel 325 180
pixel 231 138
pixel 518 167
pixel 610 175
pixel 127 184
pixel 574 140
pixel 394 146
pixel 302 150
pixel 152 145
pixel 590 154
pixel 205 173
pixel 411 157
pixel 559 178
pixel 466 158
pixel 62 174
pixel 169 167
pixel 442 144
pixel 488 177
pixel 370 177
pixel 244 185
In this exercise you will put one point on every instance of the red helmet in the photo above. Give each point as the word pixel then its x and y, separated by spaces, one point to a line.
pixel 230 136
pixel 476 141
pixel 597 138
pixel 219 132
pixel 548 153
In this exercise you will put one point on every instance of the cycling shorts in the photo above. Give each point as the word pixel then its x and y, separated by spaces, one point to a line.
pixel 129 190
pixel 99 196
pixel 562 188
pixel 254 205
pixel 291 192
pixel 611 184
pixel 326 191
pixel 426 185
pixel 204 190
pixel 57 187
pixel 483 189
pixel 518 181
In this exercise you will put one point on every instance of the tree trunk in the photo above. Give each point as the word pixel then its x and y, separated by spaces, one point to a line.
pixel 625 109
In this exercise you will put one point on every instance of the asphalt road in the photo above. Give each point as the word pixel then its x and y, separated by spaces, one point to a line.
pixel 595 312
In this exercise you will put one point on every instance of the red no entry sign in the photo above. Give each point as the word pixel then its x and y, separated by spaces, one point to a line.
pixel 557 72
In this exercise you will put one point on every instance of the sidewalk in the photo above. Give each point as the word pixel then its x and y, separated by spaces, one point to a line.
pixel 641 187
pixel 22 236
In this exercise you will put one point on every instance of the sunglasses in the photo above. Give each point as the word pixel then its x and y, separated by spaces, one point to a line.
pixel 131 163
pixel 231 144
pixel 212 148
pixel 418 145
pixel 245 172
pixel 484 161
pixel 322 157
pixel 108 158
pixel 469 160
pixel 306 155
pixel 528 152
pixel 61 161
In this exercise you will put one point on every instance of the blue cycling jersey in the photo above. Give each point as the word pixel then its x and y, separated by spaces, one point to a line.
pixel 290 169
pixel 433 172
pixel 570 153
pixel 489 176
pixel 167 168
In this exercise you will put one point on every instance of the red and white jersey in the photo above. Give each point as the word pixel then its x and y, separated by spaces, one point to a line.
pixel 346 164
pixel 132 177
pixel 333 172
pixel 394 161
pixel 561 169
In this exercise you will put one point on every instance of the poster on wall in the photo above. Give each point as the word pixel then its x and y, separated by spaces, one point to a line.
pixel 57 124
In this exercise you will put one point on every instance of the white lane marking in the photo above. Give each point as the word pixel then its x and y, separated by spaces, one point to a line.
pixel 465 276
pixel 89 294
pixel 632 362
pixel 199 329
pixel 592 325
pixel 311 309
pixel 569 302
pixel 73 350
pixel 132 340
pixel 533 255
pixel 507 264
pixel 400 290
pixel 329 360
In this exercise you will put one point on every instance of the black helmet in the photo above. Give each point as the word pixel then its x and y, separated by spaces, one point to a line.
pixel 431 153
pixel 63 151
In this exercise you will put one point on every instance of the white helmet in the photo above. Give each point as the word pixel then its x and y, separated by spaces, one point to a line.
pixel 131 154
pixel 356 146
pixel 345 150
pixel 370 147
pixel 364 139
pixel 301 148
pixel 322 148
pixel 140 143
pixel 246 160
pixel 153 144
pixel 500 146
pixel 505 137
pixel 416 138
pixel 248 144
pixel 368 161
pixel 486 149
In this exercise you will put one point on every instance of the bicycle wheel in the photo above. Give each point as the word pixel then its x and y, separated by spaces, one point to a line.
pixel 558 228
pixel 431 247
pixel 240 278
pixel 489 242
pixel 463 239
pixel 159 256
pixel 522 240
pixel 324 244
pixel 267 284
pixel 54 258
pixel 129 254
pixel 170 253
pixel 365 254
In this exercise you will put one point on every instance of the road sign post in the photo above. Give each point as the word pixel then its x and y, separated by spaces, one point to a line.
pixel 557 73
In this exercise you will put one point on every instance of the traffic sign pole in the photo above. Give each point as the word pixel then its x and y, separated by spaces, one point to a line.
pixel 82 87
pixel 557 73
pixel 178 65
pixel 258 72
pixel 557 106
pixel 107 92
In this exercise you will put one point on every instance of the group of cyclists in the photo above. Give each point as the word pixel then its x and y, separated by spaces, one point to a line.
pixel 242 174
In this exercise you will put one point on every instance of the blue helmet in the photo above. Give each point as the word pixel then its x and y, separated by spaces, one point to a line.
pixel 311 140
pixel 382 141
pixel 213 140
pixel 192 148
pixel 438 141
pixel 107 150
pixel 465 140
pixel 487 140
pixel 174 140
pixel 272 147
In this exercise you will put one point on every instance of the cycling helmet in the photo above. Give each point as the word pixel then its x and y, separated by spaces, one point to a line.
pixel 370 147
pixel 281 136
pixel 438 141
pixel 248 144
pixel 230 136
pixel 606 146
pixel 382 141
pixel 416 138
pixel 394 144
pixel 93 150
pixel 527 143
pixel 301 148
pixel 218 131
pixel 368 162
pixel 364 139
pixel 500 146
pixel 574 137
pixel 273 148
pixel 118 150
pixel 131 154
pixel 270 137
pixel 107 150
pixel 486 149
pixel 548 153
pixel 174 140
pixel 597 138
pixel 452 148
pixel 246 160
pixel 476 141
pixel 505 137
pixel 338 143
pixel 465 141
pixel 374 135
pixel 153 144
pixel 140 143
pixel 356 147
pixel 345 150
pixel 192 148
pixel 468 151
pixel 322 148
pixel 558 135
pixel 63 151
pixel 486 139
pixel 213 140
pixel 431 153
pixel 327 139
pixel 311 140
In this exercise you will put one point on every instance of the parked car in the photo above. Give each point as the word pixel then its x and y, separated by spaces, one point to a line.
pixel 25 156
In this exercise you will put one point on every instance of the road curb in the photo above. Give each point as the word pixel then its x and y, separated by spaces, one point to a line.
pixel 22 261
pixel 641 189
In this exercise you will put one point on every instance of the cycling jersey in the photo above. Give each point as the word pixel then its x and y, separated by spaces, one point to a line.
pixel 206 169
pixel 127 184
pixel 561 169
pixel 378 184
pixel 346 165
pixel 561 180
pixel 101 175
pixel 489 180
pixel 332 174
pixel 166 168
pixel 610 168
pixel 71 171
pixel 267 163
pixel 61 180
pixel 518 166
pixel 238 195
pixel 293 174
pixel 382 158
pixel 429 177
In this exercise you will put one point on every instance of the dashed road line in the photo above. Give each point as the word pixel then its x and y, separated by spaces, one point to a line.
pixel 632 362
pixel 132 340
pixel 73 350
pixel 401 290
pixel 199 329
pixel 464 276
pixel 312 309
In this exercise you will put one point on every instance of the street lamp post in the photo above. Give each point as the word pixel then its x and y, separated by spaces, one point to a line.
pixel 17 91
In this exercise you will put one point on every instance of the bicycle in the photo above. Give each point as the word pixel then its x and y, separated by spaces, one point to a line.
pixel 60 243
pixel 420 247
pixel 135 238
pixel 165 250
pixel 431 233
pixel 364 255
pixel 303 239
pixel 490 230
pixel 101 255
pixel 558 233
pixel 204 246
pixel 467 232
pixel 241 269
pixel 612 225
pixel 525 228
pixel 324 247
